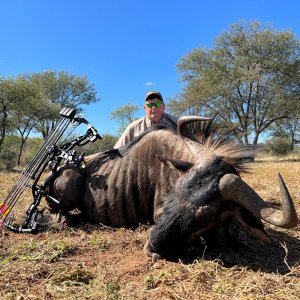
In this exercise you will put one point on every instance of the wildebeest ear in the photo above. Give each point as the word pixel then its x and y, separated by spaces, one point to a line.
pixel 176 164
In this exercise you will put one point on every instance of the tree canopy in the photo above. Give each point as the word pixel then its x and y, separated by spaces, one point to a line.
pixel 62 90
pixel 124 115
pixel 251 79
pixel 32 102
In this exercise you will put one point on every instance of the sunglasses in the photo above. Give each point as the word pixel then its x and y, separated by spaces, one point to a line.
pixel 156 104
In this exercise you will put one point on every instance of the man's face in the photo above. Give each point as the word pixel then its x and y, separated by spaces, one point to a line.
pixel 156 112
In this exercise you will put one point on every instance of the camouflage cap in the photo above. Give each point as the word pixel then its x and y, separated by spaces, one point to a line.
pixel 154 95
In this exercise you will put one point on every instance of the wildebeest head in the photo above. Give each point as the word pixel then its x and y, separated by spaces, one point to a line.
pixel 210 195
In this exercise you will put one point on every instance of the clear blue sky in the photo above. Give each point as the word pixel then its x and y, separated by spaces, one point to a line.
pixel 124 47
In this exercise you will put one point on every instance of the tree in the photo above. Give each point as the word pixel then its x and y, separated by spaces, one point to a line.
pixel 9 151
pixel 279 146
pixel 106 143
pixel 5 86
pixel 250 79
pixel 27 113
pixel 10 95
pixel 62 90
pixel 124 115
pixel 289 129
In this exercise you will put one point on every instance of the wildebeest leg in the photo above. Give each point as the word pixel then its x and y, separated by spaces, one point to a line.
pixel 67 188
pixel 65 218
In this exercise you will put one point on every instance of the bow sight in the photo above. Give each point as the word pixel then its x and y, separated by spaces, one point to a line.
pixel 54 154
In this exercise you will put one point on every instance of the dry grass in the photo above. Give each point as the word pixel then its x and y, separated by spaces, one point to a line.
pixel 265 157
pixel 94 262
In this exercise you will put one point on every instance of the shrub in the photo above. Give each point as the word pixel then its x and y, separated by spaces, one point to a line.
pixel 105 144
pixel 9 153
pixel 32 146
pixel 279 146
pixel 8 159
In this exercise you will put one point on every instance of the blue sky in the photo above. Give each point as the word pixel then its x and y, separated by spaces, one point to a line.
pixel 125 47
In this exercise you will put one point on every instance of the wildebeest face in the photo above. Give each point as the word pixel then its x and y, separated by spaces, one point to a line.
pixel 193 206
pixel 206 200
pixel 198 181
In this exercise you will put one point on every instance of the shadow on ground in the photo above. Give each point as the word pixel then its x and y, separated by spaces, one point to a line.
pixel 279 258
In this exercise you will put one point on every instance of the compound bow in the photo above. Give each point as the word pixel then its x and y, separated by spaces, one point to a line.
pixel 53 156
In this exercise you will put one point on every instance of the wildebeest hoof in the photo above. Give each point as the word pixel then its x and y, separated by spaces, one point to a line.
pixel 62 220
pixel 155 256
pixel 148 250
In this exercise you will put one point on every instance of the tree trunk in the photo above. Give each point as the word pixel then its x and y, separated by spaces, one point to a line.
pixel 3 125
pixel 255 140
pixel 246 140
pixel 20 151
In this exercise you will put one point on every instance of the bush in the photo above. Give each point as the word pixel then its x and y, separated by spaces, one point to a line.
pixel 32 146
pixel 107 143
pixel 9 153
pixel 7 159
pixel 279 146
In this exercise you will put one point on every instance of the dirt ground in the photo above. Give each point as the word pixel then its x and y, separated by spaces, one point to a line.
pixel 98 262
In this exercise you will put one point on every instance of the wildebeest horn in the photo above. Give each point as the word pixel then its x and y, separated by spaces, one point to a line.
pixel 233 188
pixel 184 121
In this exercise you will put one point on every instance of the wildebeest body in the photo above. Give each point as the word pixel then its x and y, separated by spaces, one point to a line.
pixel 128 190
pixel 188 189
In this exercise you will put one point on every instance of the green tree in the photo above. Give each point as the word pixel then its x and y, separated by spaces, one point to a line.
pixel 62 90
pixel 9 152
pixel 108 141
pixel 250 78
pixel 27 113
pixel 124 115
pixel 11 94
pixel 279 146
pixel 289 129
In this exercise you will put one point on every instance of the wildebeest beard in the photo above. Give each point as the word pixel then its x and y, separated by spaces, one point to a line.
pixel 190 206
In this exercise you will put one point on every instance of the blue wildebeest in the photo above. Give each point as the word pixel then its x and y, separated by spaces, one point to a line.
pixel 189 188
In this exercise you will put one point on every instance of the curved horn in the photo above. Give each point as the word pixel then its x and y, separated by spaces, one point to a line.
pixel 233 188
pixel 184 121
pixel 183 131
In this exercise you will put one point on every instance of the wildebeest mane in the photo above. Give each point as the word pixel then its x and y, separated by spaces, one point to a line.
pixel 209 134
pixel 225 145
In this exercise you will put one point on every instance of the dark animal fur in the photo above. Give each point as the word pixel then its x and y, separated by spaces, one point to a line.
pixel 131 185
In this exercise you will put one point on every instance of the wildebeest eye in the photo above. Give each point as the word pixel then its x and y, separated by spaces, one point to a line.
pixel 176 164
